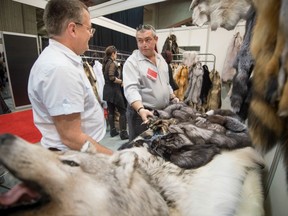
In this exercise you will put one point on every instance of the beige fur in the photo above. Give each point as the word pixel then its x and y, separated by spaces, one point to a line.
pixel 220 13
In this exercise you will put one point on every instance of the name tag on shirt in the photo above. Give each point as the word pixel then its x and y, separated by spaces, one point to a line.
pixel 151 74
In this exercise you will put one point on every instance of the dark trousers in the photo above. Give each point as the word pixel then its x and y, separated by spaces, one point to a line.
pixel 111 117
pixel 135 125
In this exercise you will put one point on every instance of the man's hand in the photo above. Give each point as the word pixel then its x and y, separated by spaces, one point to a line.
pixel 144 113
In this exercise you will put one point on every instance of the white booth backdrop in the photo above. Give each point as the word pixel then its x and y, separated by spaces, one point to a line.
pixel 215 42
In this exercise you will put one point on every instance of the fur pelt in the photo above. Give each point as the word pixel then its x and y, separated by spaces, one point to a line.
pixel 220 13
pixel 229 71
pixel 75 183
pixel 131 182
pixel 190 139
pixel 181 79
pixel 230 185
pixel 244 64
pixel 192 94
pixel 206 85
pixel 268 122
pixel 214 95
pixel 171 45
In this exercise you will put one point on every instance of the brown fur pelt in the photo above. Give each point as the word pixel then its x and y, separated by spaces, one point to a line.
pixel 181 79
pixel 220 13
pixel 189 139
pixel 171 44
pixel 214 95
pixel 267 120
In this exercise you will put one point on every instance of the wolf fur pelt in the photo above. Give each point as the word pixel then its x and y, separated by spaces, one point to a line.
pixel 220 13
pixel 229 185
pixel 131 182
pixel 75 183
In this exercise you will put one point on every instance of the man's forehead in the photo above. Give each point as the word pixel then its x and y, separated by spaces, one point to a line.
pixel 143 35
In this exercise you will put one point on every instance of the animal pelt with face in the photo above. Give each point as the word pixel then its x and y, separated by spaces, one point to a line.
pixel 131 182
pixel 171 44
pixel 75 183
pixel 220 13
pixel 190 139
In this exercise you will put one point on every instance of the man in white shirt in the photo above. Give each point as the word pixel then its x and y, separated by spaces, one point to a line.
pixel 65 109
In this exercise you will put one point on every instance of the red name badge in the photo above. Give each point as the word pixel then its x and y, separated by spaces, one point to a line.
pixel 151 74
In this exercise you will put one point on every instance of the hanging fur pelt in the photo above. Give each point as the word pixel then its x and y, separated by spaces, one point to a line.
pixel 241 90
pixel 220 13
pixel 268 114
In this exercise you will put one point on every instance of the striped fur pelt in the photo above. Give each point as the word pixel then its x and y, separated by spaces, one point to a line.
pixel 190 139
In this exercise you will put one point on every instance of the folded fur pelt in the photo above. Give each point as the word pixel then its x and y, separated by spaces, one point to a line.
pixel 190 139
pixel 220 13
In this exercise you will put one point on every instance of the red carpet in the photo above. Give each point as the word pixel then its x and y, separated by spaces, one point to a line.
pixel 20 124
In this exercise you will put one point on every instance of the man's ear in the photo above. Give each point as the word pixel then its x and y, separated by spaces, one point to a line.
pixel 156 38
pixel 71 29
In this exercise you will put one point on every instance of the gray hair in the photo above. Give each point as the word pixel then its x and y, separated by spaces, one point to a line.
pixel 145 27
pixel 58 13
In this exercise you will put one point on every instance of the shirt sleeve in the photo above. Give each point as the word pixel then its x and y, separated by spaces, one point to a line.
pixel 131 81
pixel 63 91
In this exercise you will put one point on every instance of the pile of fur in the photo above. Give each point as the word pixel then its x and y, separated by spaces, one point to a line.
pixel 190 139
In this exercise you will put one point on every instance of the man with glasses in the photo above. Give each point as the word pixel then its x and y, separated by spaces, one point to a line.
pixel 146 81
pixel 65 109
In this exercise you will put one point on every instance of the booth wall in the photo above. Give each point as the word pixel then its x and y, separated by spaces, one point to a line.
pixel 215 42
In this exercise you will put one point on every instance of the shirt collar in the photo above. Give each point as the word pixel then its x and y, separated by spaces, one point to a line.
pixel 142 57
pixel 65 50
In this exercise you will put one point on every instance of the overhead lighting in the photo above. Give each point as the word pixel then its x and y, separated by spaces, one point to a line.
pixel 35 3
pixel 118 5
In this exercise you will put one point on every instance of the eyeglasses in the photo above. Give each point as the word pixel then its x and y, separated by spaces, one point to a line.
pixel 92 30
pixel 145 27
